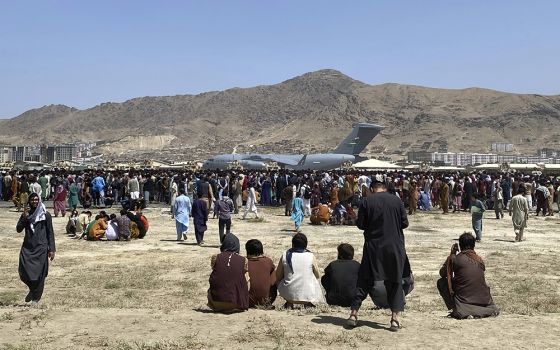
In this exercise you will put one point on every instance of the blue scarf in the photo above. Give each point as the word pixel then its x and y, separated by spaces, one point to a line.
pixel 289 255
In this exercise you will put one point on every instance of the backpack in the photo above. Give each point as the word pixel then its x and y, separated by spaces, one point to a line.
pixel 307 193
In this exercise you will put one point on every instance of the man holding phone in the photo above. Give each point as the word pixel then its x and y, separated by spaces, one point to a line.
pixel 462 284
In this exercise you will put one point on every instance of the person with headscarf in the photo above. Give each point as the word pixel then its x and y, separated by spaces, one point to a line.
pixel 251 205
pixel 73 198
pixel 38 247
pixel 59 200
pixel 297 275
pixel 229 280
pixel 297 211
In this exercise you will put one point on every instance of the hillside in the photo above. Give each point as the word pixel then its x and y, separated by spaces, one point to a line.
pixel 281 118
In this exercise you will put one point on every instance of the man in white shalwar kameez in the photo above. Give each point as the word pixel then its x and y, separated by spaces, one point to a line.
pixel 251 206
pixel 519 212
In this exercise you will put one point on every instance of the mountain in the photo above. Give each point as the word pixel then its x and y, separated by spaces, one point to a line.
pixel 308 113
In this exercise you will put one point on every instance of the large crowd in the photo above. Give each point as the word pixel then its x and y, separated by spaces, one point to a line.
pixel 383 199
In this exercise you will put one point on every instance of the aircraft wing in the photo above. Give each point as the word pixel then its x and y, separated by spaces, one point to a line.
pixel 287 159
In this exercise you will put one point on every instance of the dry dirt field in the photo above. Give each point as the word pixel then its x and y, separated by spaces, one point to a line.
pixel 151 293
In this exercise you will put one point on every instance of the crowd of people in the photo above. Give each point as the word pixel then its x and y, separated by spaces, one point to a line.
pixel 383 201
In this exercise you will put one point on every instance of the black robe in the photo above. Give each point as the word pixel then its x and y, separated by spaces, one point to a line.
pixel 33 257
pixel 382 217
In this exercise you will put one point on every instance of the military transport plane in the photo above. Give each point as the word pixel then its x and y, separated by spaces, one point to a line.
pixel 346 152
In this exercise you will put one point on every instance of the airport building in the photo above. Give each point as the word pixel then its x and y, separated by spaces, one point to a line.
pixel 463 159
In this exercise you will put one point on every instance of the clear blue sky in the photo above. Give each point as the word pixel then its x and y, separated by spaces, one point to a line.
pixel 81 53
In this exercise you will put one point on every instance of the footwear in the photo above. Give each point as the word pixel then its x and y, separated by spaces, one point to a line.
pixel 28 297
pixel 34 303
pixel 395 325
pixel 201 243
pixel 288 306
pixel 352 321
pixel 184 236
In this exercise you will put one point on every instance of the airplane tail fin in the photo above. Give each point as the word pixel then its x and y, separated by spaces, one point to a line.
pixel 359 138
pixel 302 160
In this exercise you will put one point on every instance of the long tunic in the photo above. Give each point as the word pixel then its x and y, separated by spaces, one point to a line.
pixel 299 283
pixel 228 283
pixel 519 210
pixel 73 199
pixel 382 217
pixel 182 209
pixel 297 211
pixel 262 277
pixel 200 215
pixel 33 256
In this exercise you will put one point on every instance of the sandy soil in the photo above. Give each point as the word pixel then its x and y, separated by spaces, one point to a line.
pixel 151 293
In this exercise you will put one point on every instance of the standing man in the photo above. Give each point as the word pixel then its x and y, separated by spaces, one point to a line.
pixel 519 212
pixel 200 217
pixel 181 211
pixel 550 199
pixel 224 207
pixel 251 205
pixel 38 247
pixel 498 198
pixel 382 217
pixel 133 188
pixel 444 196
pixel 477 212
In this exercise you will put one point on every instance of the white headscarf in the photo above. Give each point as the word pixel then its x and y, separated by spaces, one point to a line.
pixel 38 215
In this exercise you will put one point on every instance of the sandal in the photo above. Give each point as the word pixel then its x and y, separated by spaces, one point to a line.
pixel 395 325
pixel 352 321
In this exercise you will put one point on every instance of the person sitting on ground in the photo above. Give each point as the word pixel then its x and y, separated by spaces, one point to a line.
pixel 83 221
pixel 112 232
pixel 97 230
pixel 462 284
pixel 229 280
pixel 72 223
pixel 297 275
pixel 320 214
pixel 137 227
pixel 109 200
pixel 261 274
pixel 341 276
pixel 123 226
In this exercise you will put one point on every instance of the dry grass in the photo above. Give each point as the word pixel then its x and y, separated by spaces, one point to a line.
pixel 154 291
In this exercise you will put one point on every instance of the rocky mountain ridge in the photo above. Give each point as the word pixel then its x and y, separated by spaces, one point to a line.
pixel 311 112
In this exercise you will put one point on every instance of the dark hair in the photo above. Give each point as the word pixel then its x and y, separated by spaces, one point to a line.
pixel 345 251
pixel 254 247
pixel 466 241
pixel 112 216
pixel 377 185
pixel 299 241
pixel 182 190
pixel 521 190
pixel 123 211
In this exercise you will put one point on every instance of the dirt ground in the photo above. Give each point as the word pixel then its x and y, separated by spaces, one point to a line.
pixel 151 293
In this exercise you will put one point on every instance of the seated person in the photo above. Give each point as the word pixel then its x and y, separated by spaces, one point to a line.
pixel 424 201
pixel 72 222
pixel 112 229
pixel 229 280
pixel 123 226
pixel 83 221
pixel 297 275
pixel 261 274
pixel 341 276
pixel 137 228
pixel 109 200
pixel 462 284
pixel 339 213
pixel 97 230
pixel 320 214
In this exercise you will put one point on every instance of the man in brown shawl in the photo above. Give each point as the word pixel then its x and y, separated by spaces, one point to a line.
pixel 462 285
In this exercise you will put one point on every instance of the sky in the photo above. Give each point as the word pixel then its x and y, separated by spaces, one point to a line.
pixel 82 53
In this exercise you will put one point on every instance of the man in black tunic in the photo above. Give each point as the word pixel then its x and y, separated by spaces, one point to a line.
pixel 38 247
pixel 382 217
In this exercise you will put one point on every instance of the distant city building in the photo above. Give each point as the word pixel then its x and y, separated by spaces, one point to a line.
pixel 5 154
pixel 51 154
pixel 26 154
pixel 501 147
pixel 463 159
pixel 548 153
